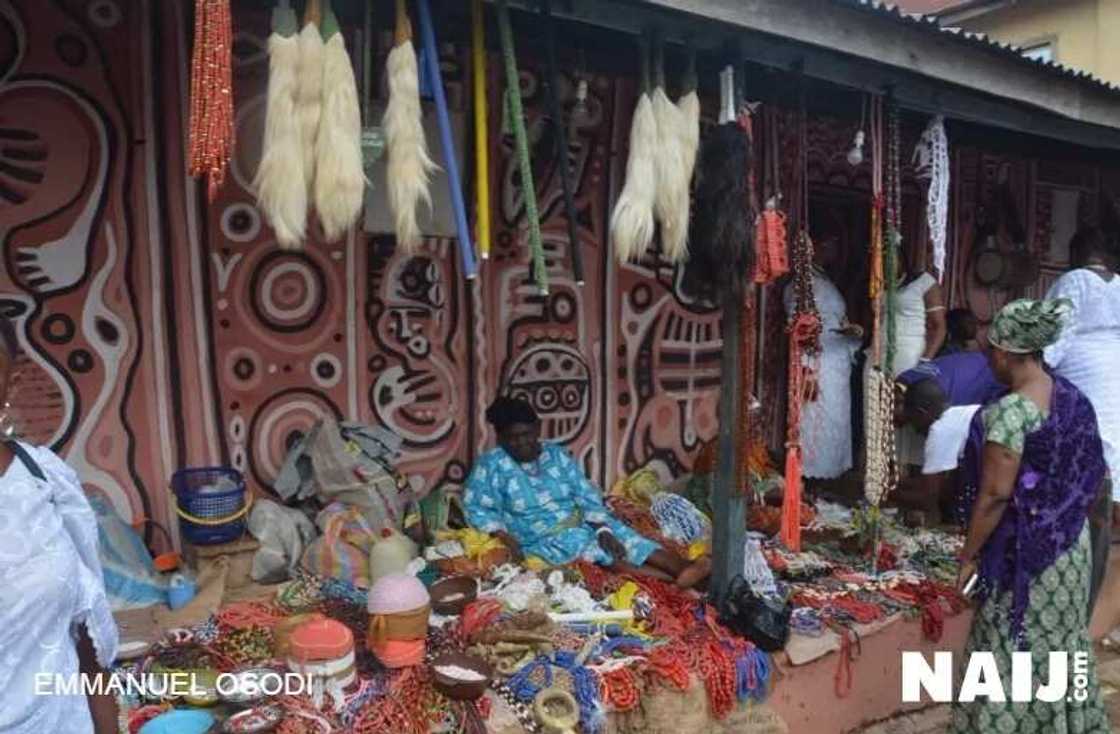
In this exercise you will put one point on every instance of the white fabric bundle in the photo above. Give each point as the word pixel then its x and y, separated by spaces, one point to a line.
pixel 409 168
pixel 632 218
pixel 339 184
pixel 280 184
pixel 756 571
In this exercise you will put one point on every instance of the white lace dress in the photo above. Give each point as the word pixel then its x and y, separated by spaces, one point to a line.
pixel 1089 353
pixel 910 322
pixel 826 423
pixel 910 344
pixel 50 584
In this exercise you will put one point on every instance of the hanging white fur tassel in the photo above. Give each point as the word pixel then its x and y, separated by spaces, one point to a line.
pixel 279 183
pixel 671 204
pixel 689 106
pixel 309 92
pixel 632 219
pixel 688 116
pixel 340 182
pixel 409 168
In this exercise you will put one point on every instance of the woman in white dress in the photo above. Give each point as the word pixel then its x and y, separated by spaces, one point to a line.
pixel 1087 356
pixel 920 331
pixel 826 421
pixel 919 325
pixel 54 616
pixel 1089 350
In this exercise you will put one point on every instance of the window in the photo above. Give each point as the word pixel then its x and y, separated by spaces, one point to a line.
pixel 1040 51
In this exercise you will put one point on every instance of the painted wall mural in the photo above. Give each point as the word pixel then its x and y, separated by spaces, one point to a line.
pixel 68 224
pixel 162 330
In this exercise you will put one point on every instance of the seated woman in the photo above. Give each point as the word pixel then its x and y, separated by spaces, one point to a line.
pixel 534 497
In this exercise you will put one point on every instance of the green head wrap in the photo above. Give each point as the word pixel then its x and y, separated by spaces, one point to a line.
pixel 1027 326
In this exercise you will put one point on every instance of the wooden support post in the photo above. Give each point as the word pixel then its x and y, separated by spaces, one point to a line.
pixel 728 502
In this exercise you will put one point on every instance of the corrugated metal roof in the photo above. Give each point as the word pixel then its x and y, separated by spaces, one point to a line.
pixel 978 40
pixel 929 6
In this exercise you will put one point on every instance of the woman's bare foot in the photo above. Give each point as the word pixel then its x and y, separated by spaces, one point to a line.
pixel 694 573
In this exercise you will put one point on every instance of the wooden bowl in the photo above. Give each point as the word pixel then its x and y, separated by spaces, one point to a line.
pixel 457 688
pixel 463 566
pixel 450 596
pixel 254 721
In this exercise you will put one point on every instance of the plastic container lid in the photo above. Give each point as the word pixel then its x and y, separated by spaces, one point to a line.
pixel 180 721
pixel 395 593
pixel 321 639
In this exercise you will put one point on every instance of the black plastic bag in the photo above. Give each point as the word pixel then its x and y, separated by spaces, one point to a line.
pixel 762 620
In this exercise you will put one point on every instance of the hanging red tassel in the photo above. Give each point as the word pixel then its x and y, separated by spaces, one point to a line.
pixel 211 103
pixel 804 340
pixel 770 234
pixel 791 501
pixel 803 333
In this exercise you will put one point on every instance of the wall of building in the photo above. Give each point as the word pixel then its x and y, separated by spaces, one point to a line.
pixel 162 330
pixel 1079 29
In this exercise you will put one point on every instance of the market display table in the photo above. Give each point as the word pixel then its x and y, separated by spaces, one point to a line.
pixel 805 695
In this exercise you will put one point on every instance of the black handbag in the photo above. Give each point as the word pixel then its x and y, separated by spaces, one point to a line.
pixel 762 620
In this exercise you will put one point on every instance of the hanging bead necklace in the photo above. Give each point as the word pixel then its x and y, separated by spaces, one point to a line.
pixel 882 469
pixel 211 103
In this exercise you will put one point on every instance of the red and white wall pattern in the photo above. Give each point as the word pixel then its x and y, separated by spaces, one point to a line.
pixel 163 331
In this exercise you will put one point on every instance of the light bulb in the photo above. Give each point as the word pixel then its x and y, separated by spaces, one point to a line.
pixel 855 155
pixel 580 114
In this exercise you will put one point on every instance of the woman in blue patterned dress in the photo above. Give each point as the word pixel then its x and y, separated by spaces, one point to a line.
pixel 534 497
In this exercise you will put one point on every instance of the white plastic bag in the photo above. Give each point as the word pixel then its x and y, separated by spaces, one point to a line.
pixel 131 579
pixel 283 533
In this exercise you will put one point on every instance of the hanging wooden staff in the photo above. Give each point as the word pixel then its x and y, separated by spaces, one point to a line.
pixel 431 58
pixel 521 141
pixel 563 154
pixel 748 333
pixel 481 129
pixel 749 321
pixel 211 102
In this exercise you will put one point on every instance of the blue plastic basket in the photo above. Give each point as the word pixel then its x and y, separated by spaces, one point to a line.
pixel 195 497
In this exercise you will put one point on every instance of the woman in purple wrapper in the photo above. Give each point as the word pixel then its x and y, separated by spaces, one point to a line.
pixel 1032 468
